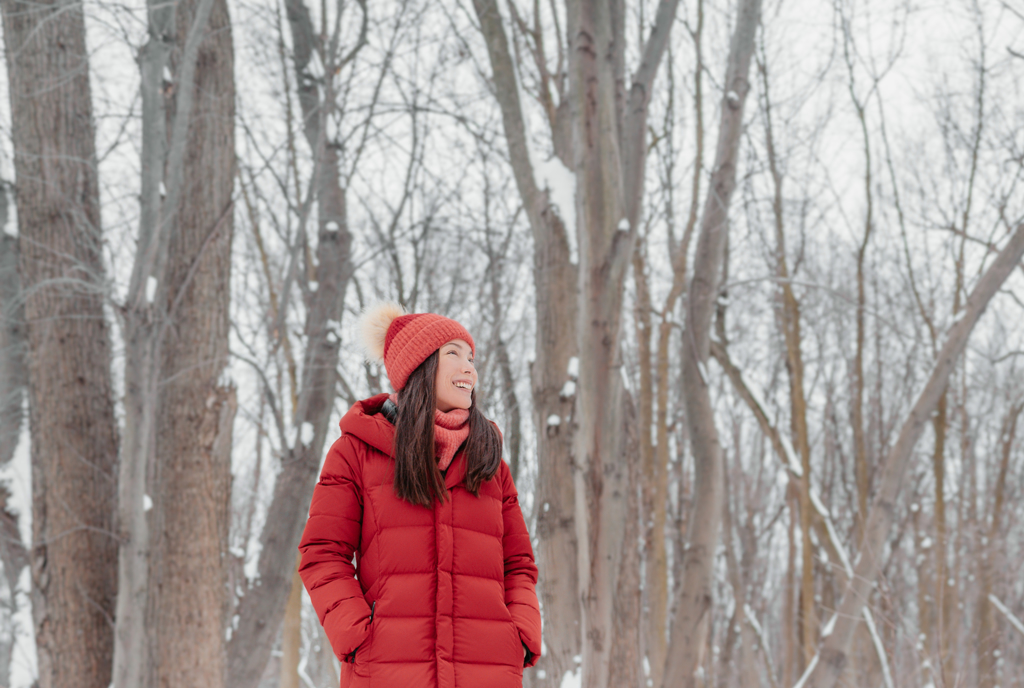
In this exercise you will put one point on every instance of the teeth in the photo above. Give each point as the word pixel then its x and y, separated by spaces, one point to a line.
pixel 463 385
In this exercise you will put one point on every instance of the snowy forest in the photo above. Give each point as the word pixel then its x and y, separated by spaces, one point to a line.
pixel 745 279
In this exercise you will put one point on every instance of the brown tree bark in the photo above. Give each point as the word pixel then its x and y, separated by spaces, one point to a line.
pixel 190 482
pixel 788 318
pixel 291 635
pixel 832 656
pixel 555 283
pixel 656 587
pixel 626 661
pixel 609 153
pixel 694 598
pixel 987 635
pixel 71 413
pixel 608 157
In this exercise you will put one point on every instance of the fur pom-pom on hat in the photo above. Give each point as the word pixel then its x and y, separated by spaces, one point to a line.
pixel 404 340
pixel 373 328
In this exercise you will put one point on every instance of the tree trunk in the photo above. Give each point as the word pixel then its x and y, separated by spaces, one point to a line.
pixel 627 653
pixel 141 321
pixel 191 480
pixel 262 607
pixel 941 592
pixel 555 283
pixel 832 657
pixel 789 633
pixel 788 318
pixel 658 599
pixel 987 635
pixel 609 154
pixel 291 631
pixel 600 478
pixel 694 601
pixel 73 432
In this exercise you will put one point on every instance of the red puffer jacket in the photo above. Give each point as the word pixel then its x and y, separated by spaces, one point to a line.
pixel 441 597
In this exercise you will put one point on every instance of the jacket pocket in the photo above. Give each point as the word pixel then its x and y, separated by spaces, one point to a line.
pixel 362 653
pixel 517 656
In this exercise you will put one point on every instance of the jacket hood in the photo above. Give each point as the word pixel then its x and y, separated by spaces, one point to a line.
pixel 366 422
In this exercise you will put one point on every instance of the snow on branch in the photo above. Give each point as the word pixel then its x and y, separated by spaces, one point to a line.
pixel 1014 621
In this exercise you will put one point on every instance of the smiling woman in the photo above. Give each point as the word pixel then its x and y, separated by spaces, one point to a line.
pixel 456 376
pixel 444 588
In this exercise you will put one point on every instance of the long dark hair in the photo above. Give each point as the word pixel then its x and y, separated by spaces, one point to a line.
pixel 418 480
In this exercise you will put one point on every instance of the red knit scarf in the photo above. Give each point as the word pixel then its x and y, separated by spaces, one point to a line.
pixel 450 430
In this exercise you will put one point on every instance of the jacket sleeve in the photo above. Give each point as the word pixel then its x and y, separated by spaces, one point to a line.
pixel 520 569
pixel 328 542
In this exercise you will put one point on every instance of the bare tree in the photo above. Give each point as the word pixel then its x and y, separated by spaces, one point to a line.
pixel 191 480
pixel 831 658
pixel 73 432
pixel 179 413
pixel 556 312
pixel 318 58
pixel 986 636
pixel 692 617
pixel 609 154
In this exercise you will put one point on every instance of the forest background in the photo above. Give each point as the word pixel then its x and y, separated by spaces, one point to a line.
pixel 745 278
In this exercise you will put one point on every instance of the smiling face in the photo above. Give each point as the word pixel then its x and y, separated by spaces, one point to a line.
pixel 456 376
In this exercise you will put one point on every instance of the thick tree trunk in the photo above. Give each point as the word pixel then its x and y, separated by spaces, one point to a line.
pixel 832 657
pixel 601 479
pixel 73 432
pixel 609 153
pixel 693 610
pixel 191 480
pixel 626 667
pixel 555 284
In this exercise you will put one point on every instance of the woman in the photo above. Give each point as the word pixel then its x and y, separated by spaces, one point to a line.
pixel 443 589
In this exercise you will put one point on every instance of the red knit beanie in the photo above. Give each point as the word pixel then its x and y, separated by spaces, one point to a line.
pixel 404 340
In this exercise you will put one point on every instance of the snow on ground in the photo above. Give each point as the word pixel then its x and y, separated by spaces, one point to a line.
pixel 18 476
